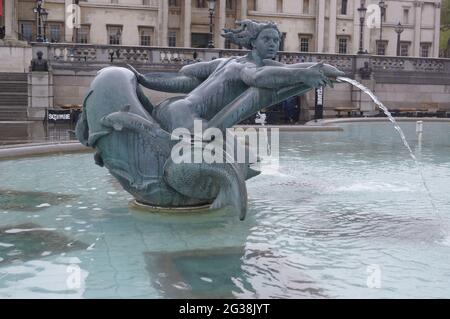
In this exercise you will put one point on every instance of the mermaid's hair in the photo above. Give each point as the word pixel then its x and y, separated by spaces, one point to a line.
pixel 247 31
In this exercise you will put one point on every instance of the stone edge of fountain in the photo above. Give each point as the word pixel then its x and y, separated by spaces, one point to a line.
pixel 330 121
pixel 295 128
pixel 46 148
pixel 36 149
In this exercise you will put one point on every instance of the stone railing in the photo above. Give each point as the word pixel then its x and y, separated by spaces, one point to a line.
pixel 343 62
pixel 173 58
pixel 117 54
pixel 386 63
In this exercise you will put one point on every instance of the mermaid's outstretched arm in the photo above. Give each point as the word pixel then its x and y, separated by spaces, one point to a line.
pixel 166 82
pixel 277 77
pixel 187 79
pixel 271 84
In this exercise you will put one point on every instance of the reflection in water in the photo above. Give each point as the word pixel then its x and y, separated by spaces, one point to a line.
pixel 28 241
pixel 196 273
pixel 30 201
pixel 61 278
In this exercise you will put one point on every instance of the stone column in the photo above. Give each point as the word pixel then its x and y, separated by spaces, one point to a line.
pixel 320 26
pixel 437 24
pixel 10 19
pixel 332 32
pixel 417 27
pixel 187 23
pixel 359 99
pixel 244 9
pixel 220 17
pixel 40 94
pixel 163 17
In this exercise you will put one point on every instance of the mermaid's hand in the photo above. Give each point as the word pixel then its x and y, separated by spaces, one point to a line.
pixel 315 77
pixel 140 77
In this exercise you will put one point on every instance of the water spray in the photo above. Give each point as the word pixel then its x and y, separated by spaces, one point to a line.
pixel 419 130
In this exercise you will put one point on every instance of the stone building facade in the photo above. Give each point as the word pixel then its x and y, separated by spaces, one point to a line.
pixel 324 26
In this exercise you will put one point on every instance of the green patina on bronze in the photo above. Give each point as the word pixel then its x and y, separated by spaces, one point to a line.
pixel 132 137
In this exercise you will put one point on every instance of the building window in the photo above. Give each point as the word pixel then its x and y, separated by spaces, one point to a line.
pixel 279 6
pixel 172 39
pixel 114 34
pixel 381 47
pixel 26 30
pixel 227 44
pixel 145 36
pixel 282 41
pixel 344 7
pixel 425 50
pixel 173 3
pixel 199 40
pixel 405 16
pixel 201 4
pixel 404 48
pixel 230 4
pixel 304 42
pixel 342 45
pixel 305 6
pixel 54 33
pixel 83 34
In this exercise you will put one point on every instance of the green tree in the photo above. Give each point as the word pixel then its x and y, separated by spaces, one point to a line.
pixel 445 25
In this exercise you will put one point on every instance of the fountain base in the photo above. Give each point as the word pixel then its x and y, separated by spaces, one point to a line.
pixel 160 209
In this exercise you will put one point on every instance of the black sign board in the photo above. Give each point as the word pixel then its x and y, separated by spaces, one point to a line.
pixel 318 108
pixel 56 116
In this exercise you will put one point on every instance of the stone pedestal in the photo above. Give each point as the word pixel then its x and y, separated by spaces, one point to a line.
pixel 40 94
pixel 360 99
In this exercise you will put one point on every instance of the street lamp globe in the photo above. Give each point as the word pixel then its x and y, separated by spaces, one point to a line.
pixel 399 28
pixel 211 5
pixel 362 11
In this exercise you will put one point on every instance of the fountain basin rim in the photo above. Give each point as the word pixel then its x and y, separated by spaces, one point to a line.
pixel 161 209
pixel 330 121
pixel 39 149
pixel 295 128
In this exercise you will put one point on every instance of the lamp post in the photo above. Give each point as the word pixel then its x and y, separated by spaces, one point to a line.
pixel 398 29
pixel 41 12
pixel 362 14
pixel 44 24
pixel 211 7
pixel 382 6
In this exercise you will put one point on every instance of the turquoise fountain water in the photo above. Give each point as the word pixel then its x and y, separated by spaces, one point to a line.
pixel 402 136
pixel 383 108
pixel 340 205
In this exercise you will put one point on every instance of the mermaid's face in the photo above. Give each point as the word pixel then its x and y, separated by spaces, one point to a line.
pixel 267 43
